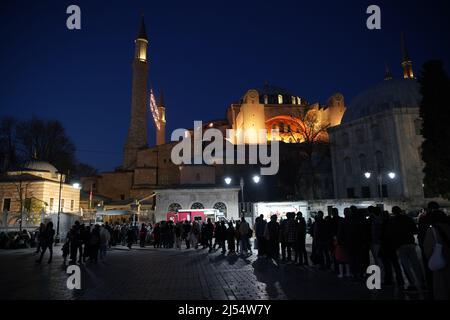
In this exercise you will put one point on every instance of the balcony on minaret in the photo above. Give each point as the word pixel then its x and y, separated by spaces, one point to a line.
pixel 141 50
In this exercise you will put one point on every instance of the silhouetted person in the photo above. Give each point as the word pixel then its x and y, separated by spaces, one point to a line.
pixel 230 234
pixel 47 242
pixel 76 241
pixel 322 239
pixel 94 243
pixel 260 228
pixel 388 255
pixel 39 237
pixel 243 233
pixel 423 225
pixel 402 230
pixel 208 234
pixel 301 256
pixel 272 235
pixel 186 233
pixel 142 235
pixel 439 233
pixel 130 237
pixel 290 234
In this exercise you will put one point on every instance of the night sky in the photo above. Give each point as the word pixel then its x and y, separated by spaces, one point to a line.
pixel 203 54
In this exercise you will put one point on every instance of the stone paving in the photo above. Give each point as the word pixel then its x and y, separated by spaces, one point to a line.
pixel 150 273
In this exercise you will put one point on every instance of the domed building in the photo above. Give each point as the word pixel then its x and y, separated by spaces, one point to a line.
pixel 376 149
pixel 36 189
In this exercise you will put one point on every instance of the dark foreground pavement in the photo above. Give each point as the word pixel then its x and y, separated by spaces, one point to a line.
pixel 173 274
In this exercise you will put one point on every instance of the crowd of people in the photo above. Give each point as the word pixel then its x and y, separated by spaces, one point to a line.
pixel 345 245
pixel 348 245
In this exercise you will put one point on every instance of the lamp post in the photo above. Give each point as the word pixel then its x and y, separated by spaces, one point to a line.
pixel 391 175
pixel 59 208
pixel 256 179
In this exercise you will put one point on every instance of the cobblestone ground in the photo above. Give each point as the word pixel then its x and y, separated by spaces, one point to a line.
pixel 150 273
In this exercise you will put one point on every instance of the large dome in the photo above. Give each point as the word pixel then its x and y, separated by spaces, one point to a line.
pixel 389 94
pixel 41 166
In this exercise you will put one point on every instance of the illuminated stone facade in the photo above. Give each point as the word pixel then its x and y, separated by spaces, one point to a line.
pixel 37 188
pixel 274 108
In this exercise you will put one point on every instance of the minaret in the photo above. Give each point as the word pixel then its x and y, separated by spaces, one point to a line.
pixel 406 62
pixel 137 132
pixel 161 132
pixel 387 72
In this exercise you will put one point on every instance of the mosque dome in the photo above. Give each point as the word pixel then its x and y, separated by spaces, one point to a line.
pixel 387 95
pixel 40 166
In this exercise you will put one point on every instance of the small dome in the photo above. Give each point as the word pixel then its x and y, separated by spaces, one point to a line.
pixel 41 166
pixel 387 95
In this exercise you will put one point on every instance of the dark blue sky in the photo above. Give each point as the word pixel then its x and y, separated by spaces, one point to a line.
pixel 203 54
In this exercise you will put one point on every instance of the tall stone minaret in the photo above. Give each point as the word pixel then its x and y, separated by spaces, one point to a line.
pixel 137 132
pixel 406 61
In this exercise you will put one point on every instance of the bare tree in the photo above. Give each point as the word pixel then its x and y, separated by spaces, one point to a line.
pixel 314 141
pixel 8 152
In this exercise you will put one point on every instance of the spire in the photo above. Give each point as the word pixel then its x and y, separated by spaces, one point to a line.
pixel 406 61
pixel 142 33
pixel 387 72
pixel 404 49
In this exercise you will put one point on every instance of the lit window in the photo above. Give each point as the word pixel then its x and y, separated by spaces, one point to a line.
pixel 293 100
pixel 280 99
pixel 266 99
pixel 299 101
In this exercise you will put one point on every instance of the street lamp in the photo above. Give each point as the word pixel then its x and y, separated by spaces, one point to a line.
pixel 256 179
pixel 76 185
pixel 391 175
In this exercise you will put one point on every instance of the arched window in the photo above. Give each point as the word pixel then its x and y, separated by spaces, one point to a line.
pixel 280 99
pixel 221 207
pixel 266 99
pixel 174 207
pixel 294 100
pixel 197 205
pixel 348 165
pixel 363 162
pixel 379 159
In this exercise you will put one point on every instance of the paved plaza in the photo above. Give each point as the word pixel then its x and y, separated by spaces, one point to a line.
pixel 148 273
